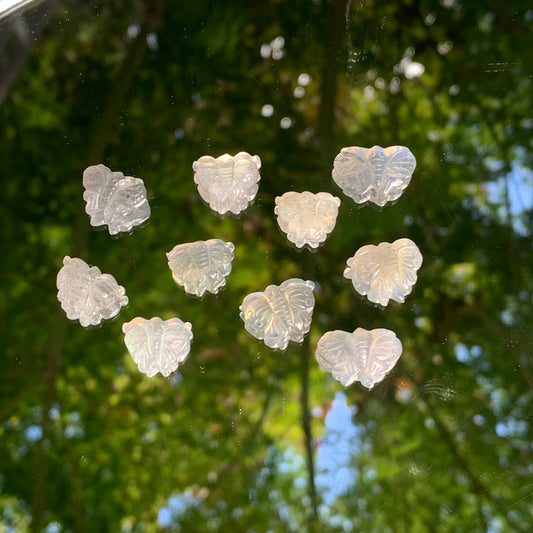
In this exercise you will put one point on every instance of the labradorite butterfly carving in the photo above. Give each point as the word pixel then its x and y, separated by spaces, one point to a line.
pixel 378 175
pixel 364 356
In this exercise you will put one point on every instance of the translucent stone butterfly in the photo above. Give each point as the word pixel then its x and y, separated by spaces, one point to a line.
pixel 376 174
pixel 307 218
pixel 157 345
pixel 228 184
pixel 86 294
pixel 114 199
pixel 387 271
pixel 364 356
pixel 201 266
pixel 281 313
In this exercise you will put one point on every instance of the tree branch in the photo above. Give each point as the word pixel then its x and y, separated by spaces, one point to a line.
pixel 477 485
pixel 308 436
pixel 332 62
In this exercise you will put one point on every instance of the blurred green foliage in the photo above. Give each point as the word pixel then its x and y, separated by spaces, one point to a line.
pixel 87 443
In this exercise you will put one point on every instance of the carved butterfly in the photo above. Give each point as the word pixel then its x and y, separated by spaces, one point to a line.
pixel 387 271
pixel 364 356
pixel 201 266
pixel 114 199
pixel 227 184
pixel 376 174
pixel 86 294
pixel 157 345
pixel 281 313
pixel 307 218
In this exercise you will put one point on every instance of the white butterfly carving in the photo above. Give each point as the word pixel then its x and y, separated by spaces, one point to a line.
pixel 307 218
pixel 281 313
pixel 387 271
pixel 376 174
pixel 227 184
pixel 157 345
pixel 201 266
pixel 364 356
pixel 86 294
pixel 114 199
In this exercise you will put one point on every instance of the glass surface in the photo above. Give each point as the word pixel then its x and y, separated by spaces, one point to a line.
pixel 241 437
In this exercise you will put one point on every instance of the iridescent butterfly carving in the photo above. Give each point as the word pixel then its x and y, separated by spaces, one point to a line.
pixel 307 218
pixel 228 184
pixel 114 199
pixel 157 345
pixel 387 271
pixel 364 356
pixel 376 174
pixel 201 266
pixel 86 294
pixel 281 313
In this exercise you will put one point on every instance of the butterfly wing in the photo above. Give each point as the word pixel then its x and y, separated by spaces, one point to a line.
pixel 336 352
pixel 245 177
pixel 220 258
pixel 266 317
pixel 409 261
pixel 288 211
pixel 380 349
pixel 353 173
pixel 399 165
pixel 301 301
pixel 368 270
pixel 127 207
pixel 105 297
pixel 139 339
pixel 175 345
pixel 99 182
